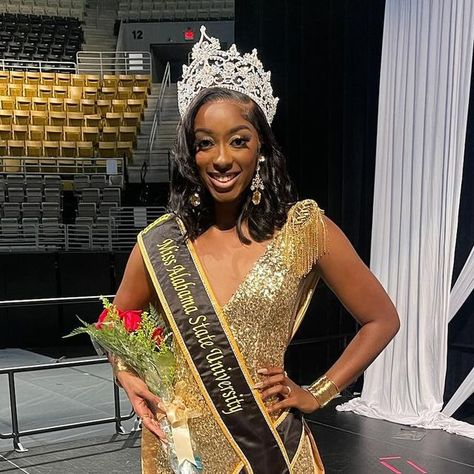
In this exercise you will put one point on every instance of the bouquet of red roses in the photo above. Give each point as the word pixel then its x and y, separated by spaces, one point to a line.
pixel 141 341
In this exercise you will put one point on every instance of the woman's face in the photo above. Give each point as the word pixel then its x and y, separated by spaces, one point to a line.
pixel 226 149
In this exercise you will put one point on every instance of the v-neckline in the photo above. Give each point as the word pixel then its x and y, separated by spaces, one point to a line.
pixel 244 280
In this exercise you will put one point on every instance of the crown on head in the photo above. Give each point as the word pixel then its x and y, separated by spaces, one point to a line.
pixel 213 67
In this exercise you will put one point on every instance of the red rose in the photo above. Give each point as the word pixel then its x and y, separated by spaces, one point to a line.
pixel 131 319
pixel 102 318
pixel 157 335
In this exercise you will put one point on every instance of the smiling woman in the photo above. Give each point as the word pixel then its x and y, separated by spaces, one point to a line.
pixel 232 267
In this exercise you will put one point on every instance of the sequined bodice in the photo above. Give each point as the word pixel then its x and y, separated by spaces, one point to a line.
pixel 261 315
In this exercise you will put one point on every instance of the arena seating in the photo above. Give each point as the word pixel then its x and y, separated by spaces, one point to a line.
pixel 39 38
pixel 70 115
pixel 63 8
pixel 166 10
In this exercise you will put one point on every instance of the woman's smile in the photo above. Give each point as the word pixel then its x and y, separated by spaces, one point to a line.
pixel 223 182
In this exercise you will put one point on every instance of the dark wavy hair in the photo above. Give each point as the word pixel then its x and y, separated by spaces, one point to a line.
pixel 277 196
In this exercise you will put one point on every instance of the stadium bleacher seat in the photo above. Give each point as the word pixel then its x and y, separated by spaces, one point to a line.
pixel 46 114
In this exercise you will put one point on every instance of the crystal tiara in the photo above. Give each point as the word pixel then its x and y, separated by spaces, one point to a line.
pixel 213 67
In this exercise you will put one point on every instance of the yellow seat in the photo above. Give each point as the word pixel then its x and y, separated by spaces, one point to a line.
pixel 57 118
pixel 126 80
pixel 16 147
pixel 128 134
pixel 136 105
pixel 15 90
pixel 72 134
pixel 63 79
pixel 30 90
pixel 61 92
pixel 23 103
pixel 93 80
pixel 112 119
pixel 39 103
pixel 75 119
pixel 5 132
pixel 104 106
pixel 54 133
pixel 78 80
pixel 48 78
pixel 124 149
pixel 34 148
pixel 21 117
pixel 107 150
pixel 6 117
pixel 75 92
pixel 131 119
pixel 119 105
pixel 39 117
pixel 85 149
pixel 93 120
pixel 36 132
pixel 108 93
pixel 89 93
pixel 110 134
pixel 88 106
pixel 8 103
pixel 109 80
pixel 72 105
pixel 20 132
pixel 3 89
pixel 17 77
pixel 140 93
pixel 4 77
pixel 55 104
pixel 142 80
pixel 124 93
pixel 32 77
pixel 51 148
pixel 45 90
pixel 90 134
pixel 68 149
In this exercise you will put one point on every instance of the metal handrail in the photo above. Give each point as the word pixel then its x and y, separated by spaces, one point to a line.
pixel 40 66
pixel 165 82
pixel 16 432
pixel 113 62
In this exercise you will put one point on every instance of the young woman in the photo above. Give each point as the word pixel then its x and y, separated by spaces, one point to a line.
pixel 233 267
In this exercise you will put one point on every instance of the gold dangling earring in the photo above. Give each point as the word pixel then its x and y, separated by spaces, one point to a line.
pixel 195 198
pixel 257 184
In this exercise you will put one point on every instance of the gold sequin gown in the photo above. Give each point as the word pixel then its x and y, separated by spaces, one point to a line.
pixel 262 314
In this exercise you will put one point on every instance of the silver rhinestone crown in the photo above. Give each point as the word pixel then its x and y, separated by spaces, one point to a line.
pixel 213 67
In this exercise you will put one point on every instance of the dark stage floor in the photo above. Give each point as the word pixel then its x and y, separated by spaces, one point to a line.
pixel 348 443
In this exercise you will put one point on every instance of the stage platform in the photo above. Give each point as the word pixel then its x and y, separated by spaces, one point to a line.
pixel 348 443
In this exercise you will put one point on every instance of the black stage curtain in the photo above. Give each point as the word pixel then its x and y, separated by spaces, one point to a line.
pixel 325 62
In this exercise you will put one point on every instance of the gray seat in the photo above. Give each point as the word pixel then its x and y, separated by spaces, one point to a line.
pixel 16 194
pixel 80 182
pixel 116 180
pixel 31 209
pixel 11 210
pixel 9 227
pixel 52 181
pixel 51 209
pixel 87 209
pixel 98 181
pixel 33 181
pixel 15 181
pixel 111 195
pixel 52 195
pixel 34 195
pixel 90 195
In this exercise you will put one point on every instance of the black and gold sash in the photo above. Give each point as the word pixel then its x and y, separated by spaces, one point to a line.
pixel 201 330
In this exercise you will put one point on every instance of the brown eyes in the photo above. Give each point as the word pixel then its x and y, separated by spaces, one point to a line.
pixel 238 142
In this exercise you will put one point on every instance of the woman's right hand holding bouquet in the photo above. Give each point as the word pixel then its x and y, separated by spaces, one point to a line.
pixel 144 403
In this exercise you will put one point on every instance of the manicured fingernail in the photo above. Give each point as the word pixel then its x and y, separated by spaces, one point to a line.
pixel 258 385
pixel 262 371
